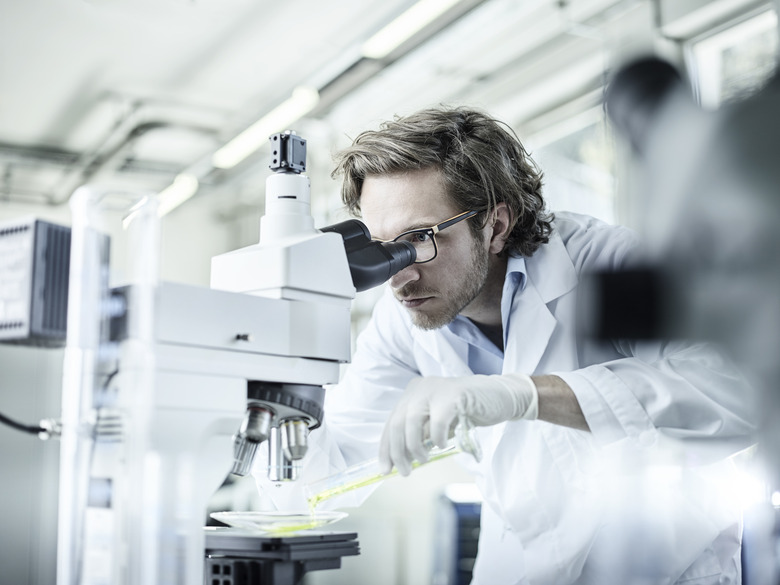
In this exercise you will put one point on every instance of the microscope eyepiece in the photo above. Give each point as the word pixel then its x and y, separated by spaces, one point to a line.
pixel 371 262
pixel 402 254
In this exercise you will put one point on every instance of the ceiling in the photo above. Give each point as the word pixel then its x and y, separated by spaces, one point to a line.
pixel 137 92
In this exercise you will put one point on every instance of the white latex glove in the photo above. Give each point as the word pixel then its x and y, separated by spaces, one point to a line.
pixel 434 403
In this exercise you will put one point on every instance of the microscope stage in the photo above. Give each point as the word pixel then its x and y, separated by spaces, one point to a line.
pixel 237 556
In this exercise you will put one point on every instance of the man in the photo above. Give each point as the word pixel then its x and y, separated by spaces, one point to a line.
pixel 484 326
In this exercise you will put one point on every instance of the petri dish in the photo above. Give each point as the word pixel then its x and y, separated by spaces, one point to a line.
pixel 278 522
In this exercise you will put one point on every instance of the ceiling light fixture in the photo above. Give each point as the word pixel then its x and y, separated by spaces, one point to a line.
pixel 301 102
pixel 404 27
pixel 183 187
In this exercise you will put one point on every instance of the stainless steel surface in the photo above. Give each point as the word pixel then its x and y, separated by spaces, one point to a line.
pixel 280 468
pixel 254 430
pixel 257 424
pixel 295 434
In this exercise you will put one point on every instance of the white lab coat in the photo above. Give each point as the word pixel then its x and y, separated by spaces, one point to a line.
pixel 631 500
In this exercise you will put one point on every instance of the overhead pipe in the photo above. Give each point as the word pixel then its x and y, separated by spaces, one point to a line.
pixel 124 133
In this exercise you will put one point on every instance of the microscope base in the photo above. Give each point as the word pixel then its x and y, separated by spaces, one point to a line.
pixel 236 557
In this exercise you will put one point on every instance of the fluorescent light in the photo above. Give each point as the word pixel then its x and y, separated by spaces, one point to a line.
pixel 134 212
pixel 405 26
pixel 300 103
pixel 183 187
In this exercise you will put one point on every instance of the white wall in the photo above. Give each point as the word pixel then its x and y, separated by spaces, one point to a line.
pixel 30 385
pixel 190 236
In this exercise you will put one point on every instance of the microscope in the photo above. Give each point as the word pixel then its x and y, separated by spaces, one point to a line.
pixel 297 264
pixel 168 388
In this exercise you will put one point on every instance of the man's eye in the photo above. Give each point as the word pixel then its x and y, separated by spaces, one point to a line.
pixel 419 237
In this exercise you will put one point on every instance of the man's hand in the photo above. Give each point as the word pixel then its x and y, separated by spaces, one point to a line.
pixel 435 403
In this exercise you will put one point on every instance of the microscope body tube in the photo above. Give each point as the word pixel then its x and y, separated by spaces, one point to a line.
pixel 287 208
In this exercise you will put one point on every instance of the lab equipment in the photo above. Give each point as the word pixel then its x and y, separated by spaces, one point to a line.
pixel 359 476
pixel 295 262
pixel 273 522
pixel 167 387
pixel 369 473
pixel 234 557
pixel 34 288
pixel 457 534
pixel 431 405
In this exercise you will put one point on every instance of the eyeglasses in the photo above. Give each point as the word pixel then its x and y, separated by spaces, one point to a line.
pixel 424 239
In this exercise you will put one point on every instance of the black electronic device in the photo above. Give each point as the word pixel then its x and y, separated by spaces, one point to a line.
pixel 34 277
pixel 236 557
pixel 288 152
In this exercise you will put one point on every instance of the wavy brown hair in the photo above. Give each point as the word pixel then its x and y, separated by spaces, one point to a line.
pixel 482 161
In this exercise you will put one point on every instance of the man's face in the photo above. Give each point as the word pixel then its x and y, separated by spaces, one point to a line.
pixel 434 293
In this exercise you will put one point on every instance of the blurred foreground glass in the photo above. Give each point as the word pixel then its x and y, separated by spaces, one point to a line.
pixel 115 242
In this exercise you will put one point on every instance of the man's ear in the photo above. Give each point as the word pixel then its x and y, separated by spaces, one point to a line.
pixel 500 224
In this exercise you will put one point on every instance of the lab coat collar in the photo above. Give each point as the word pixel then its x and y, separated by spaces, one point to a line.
pixel 550 269
pixel 549 275
pixel 516 270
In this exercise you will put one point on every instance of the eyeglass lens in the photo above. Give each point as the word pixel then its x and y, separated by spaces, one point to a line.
pixel 422 240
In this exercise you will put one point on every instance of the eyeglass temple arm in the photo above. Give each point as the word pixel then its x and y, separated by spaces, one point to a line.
pixel 448 222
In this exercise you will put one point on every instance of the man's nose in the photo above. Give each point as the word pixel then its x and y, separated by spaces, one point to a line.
pixel 403 277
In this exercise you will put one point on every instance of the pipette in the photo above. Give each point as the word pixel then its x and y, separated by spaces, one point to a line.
pixel 368 473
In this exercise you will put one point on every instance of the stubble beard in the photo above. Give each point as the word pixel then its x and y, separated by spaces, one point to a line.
pixel 470 287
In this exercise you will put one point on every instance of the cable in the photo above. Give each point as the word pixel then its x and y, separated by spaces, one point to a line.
pixel 48 428
pixel 33 429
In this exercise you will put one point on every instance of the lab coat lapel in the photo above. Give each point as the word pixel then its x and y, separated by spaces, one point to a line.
pixel 530 335
pixel 550 274
pixel 530 326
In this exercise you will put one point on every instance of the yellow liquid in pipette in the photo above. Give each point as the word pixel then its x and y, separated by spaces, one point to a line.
pixel 326 494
